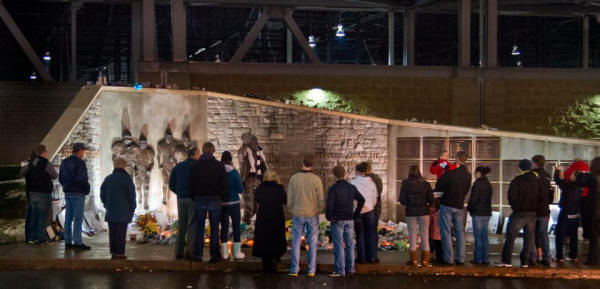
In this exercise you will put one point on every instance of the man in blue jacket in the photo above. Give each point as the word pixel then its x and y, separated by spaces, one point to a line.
pixel 73 177
pixel 340 211
pixel 118 196
pixel 179 183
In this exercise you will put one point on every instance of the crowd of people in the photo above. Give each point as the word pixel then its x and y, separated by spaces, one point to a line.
pixel 209 188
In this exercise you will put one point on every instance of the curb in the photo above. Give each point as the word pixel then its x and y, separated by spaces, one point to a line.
pixel 253 267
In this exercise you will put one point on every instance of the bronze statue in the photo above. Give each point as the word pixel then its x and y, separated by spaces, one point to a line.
pixel 144 162
pixel 166 161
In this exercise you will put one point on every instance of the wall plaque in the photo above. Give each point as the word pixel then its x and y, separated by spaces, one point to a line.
pixel 494 175
pixel 402 168
pixel 461 144
pixel 409 148
pixel 510 169
pixel 433 147
pixel 488 148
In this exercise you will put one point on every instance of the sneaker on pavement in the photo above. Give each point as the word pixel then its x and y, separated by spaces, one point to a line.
pixel 293 274
pixel 334 274
pixel 504 265
pixel 545 263
pixel 68 246
pixel 524 265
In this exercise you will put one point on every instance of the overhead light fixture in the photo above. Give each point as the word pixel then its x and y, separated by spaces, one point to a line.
pixel 340 31
pixel 33 76
pixel 515 50
pixel 46 56
pixel 311 41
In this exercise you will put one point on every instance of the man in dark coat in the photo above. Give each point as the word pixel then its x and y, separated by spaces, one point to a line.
pixel 455 185
pixel 117 193
pixel 542 242
pixel 73 177
pixel 524 197
pixel 341 213
pixel 590 181
pixel 39 173
pixel 208 187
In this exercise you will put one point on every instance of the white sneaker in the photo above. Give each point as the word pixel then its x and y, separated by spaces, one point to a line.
pixel 237 251
pixel 225 251
pixel 334 274
pixel 504 265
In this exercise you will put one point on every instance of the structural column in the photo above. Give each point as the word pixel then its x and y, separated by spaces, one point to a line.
pixel 178 26
pixel 288 46
pixel 482 32
pixel 391 40
pixel 586 42
pixel 148 30
pixel 74 7
pixel 408 47
pixel 464 25
pixel 136 36
pixel 492 33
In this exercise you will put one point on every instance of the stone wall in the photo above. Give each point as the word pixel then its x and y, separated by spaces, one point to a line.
pixel 287 135
pixel 87 131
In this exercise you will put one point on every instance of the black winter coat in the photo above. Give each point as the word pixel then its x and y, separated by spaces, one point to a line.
pixel 592 211
pixel 37 178
pixel 417 196
pixel 480 202
pixel 525 193
pixel 570 195
pixel 269 235
pixel 340 202
pixel 548 197
pixel 455 185
pixel 208 179
pixel 117 193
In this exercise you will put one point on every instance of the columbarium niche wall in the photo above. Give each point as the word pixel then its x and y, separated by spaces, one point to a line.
pixel 286 135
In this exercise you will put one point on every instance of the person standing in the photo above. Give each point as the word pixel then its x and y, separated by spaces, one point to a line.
pixel 269 235
pixel 590 181
pixel 179 183
pixel 480 208
pixel 38 173
pixel 379 185
pixel 455 185
pixel 117 193
pixel 417 197
pixel 366 225
pixel 341 213
pixel 441 165
pixel 208 187
pixel 230 208
pixel 73 177
pixel 305 201
pixel 542 242
pixel 570 214
pixel 524 197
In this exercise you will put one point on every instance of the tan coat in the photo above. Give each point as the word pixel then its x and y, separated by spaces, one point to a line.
pixel 305 195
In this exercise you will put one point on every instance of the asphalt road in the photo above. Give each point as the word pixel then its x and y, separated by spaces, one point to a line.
pixel 189 280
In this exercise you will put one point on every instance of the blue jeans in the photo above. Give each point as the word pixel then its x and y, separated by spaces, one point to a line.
pixel 232 211
pixel 310 225
pixel 74 218
pixel 201 208
pixel 567 226
pixel 541 239
pixel 516 222
pixel 418 226
pixel 40 204
pixel 366 236
pixel 28 220
pixel 342 234
pixel 448 217
pixel 482 244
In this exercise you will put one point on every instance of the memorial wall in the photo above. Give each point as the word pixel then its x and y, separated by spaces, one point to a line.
pixel 152 130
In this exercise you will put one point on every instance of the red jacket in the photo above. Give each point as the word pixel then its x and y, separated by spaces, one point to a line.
pixel 577 166
pixel 440 166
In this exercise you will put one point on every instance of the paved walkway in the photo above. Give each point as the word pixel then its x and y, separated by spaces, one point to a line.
pixel 161 257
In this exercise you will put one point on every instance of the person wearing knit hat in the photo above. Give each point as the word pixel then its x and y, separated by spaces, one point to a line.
pixel 524 197
pixel 230 208
pixel 570 211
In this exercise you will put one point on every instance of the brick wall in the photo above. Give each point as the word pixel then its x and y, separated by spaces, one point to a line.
pixel 286 135
pixel 28 111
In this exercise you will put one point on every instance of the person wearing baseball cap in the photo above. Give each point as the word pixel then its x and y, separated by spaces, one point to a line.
pixel 73 177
